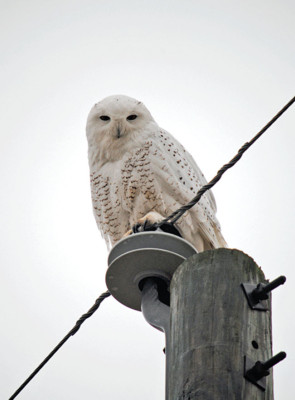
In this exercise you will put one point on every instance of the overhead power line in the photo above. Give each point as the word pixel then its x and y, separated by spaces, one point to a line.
pixel 72 332
pixel 172 218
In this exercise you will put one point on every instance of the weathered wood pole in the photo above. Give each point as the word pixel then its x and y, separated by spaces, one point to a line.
pixel 213 328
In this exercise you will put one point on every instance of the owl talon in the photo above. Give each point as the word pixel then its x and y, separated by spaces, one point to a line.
pixel 136 228
pixel 149 225
pixel 145 226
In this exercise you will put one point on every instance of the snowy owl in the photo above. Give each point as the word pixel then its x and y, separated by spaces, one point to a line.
pixel 139 173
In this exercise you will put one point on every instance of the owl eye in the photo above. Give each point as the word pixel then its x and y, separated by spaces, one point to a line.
pixel 105 117
pixel 131 117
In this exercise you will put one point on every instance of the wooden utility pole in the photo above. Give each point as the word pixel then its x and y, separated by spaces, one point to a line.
pixel 213 329
pixel 218 325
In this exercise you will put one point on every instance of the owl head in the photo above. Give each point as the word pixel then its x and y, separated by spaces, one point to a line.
pixel 114 125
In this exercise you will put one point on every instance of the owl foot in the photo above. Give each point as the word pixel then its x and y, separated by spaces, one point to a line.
pixel 151 218
pixel 146 226
pixel 145 223
pixel 148 223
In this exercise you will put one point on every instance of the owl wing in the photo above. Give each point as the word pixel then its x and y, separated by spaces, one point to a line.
pixel 111 218
pixel 180 178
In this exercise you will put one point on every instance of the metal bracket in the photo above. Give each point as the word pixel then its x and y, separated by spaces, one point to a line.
pixel 248 289
pixel 249 365
pixel 255 294
pixel 256 372
pixel 156 312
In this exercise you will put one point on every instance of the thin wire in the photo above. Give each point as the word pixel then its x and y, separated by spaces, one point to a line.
pixel 172 218
pixel 72 332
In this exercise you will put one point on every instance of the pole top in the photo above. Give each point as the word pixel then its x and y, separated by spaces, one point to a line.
pixel 143 255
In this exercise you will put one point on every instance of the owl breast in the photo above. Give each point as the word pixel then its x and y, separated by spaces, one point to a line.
pixel 140 192
pixel 125 190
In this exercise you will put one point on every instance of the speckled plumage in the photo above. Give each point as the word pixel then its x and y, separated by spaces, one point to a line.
pixel 137 167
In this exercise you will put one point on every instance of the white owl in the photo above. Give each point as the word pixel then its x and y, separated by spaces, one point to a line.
pixel 139 172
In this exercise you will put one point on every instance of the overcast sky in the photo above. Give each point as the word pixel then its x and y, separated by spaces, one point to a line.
pixel 212 73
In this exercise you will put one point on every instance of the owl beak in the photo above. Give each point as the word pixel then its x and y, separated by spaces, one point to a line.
pixel 118 133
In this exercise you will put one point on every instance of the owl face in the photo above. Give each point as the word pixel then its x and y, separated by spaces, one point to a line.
pixel 117 117
pixel 114 125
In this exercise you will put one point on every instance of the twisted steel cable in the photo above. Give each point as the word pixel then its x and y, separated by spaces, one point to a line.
pixel 72 332
pixel 172 218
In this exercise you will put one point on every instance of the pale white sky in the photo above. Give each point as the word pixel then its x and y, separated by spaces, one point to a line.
pixel 212 73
